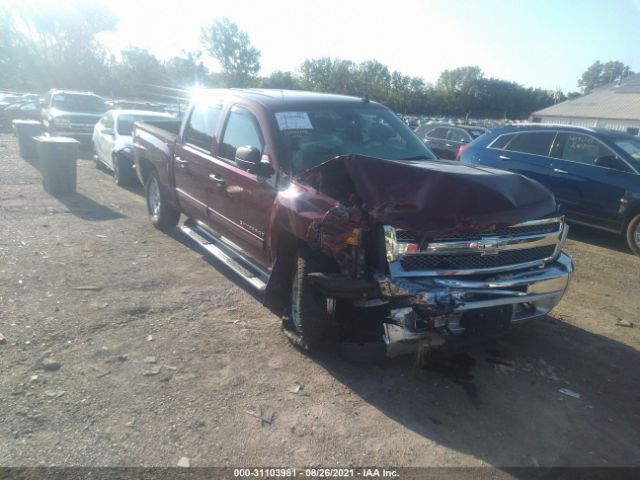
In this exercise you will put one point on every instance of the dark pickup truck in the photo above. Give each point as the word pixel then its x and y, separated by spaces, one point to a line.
pixel 332 207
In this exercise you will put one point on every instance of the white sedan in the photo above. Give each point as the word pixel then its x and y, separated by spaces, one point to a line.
pixel 112 144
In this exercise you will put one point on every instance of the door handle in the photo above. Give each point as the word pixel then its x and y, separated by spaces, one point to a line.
pixel 504 157
pixel 448 145
pixel 558 170
pixel 219 181
pixel 180 161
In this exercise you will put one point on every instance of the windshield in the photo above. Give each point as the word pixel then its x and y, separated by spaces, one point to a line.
pixel 78 103
pixel 125 122
pixel 631 146
pixel 313 136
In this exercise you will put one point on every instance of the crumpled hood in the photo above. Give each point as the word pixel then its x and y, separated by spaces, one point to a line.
pixel 437 197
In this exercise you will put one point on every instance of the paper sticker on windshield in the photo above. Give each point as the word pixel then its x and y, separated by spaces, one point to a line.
pixel 59 97
pixel 293 121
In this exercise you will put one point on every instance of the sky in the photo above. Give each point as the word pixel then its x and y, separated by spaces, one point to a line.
pixel 539 43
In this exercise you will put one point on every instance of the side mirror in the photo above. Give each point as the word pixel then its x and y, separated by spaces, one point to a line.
pixel 248 158
pixel 610 161
pixel 108 131
pixel 264 169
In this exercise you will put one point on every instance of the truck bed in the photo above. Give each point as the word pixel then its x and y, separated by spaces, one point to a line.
pixel 153 144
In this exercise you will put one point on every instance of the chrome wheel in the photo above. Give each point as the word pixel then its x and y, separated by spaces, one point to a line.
pixel 153 197
pixel 633 234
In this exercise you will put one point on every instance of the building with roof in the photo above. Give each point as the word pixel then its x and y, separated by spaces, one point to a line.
pixel 615 106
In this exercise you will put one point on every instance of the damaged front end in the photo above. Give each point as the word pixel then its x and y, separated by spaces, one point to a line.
pixel 469 289
pixel 451 251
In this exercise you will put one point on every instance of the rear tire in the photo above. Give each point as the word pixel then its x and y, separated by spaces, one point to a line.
pixel 633 234
pixel 308 310
pixel 162 215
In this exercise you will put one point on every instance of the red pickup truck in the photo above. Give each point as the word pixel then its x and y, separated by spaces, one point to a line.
pixel 330 205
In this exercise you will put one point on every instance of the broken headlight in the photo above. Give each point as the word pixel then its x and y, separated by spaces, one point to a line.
pixel 396 249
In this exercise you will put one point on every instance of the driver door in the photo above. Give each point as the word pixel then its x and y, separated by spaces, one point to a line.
pixel 240 201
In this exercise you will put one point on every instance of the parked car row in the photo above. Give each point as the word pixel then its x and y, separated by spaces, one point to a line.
pixel 18 106
pixel 593 173
pixel 90 119
pixel 21 110
pixel 416 121
pixel 68 112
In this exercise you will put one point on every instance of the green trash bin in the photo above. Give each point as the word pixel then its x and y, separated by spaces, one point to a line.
pixel 58 158
pixel 25 130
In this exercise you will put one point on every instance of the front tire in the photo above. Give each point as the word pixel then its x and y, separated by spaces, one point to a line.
pixel 633 234
pixel 162 215
pixel 121 171
pixel 308 310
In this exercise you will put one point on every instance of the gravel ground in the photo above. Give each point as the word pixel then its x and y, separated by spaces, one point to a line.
pixel 123 346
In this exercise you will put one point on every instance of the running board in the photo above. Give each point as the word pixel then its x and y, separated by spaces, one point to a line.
pixel 226 254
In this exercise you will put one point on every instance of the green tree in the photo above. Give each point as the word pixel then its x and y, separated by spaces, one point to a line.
pixel 187 70
pixel 136 74
pixel 12 52
pixel 64 50
pixel 316 74
pixel 373 80
pixel 280 80
pixel 460 89
pixel 327 75
pixel 600 74
pixel 240 61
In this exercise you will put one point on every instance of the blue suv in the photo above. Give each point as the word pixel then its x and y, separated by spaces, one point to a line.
pixel 593 173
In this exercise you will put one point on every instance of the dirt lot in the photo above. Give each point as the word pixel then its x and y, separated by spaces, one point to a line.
pixel 163 355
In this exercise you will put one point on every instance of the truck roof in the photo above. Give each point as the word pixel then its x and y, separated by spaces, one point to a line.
pixel 275 99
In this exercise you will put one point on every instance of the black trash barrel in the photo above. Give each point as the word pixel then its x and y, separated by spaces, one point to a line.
pixel 25 131
pixel 58 163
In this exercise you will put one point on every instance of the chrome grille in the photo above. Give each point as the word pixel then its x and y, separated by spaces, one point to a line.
pixel 522 229
pixel 499 249
pixel 475 261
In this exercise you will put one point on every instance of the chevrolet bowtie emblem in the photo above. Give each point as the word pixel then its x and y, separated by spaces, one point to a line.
pixel 489 246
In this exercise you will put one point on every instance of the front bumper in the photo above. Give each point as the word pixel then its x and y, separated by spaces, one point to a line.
pixel 429 310
pixel 80 135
